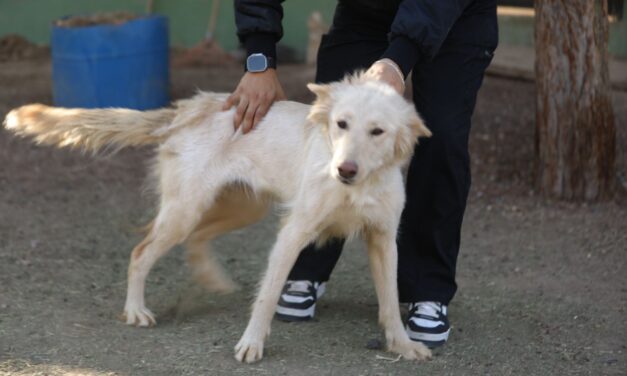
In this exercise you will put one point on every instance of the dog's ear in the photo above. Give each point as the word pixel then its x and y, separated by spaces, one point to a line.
pixel 418 126
pixel 407 137
pixel 321 90
pixel 319 113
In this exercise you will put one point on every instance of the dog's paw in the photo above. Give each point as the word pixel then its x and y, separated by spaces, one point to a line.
pixel 138 316
pixel 411 350
pixel 249 351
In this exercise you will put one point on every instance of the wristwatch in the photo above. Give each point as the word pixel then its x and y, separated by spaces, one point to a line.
pixel 259 63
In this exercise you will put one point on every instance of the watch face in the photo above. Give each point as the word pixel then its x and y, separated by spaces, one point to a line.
pixel 256 63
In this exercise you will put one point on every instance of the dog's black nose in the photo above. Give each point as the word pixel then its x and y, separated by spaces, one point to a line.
pixel 347 169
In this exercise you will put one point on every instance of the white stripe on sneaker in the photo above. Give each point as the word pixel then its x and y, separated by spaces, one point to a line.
pixel 296 299
pixel 426 323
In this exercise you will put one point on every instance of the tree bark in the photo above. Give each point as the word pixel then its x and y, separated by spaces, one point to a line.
pixel 575 137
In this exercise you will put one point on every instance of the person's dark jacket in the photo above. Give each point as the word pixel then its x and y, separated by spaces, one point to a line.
pixel 417 28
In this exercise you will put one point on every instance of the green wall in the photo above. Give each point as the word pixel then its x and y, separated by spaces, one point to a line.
pixel 189 18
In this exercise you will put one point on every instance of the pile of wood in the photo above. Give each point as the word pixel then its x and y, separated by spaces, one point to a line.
pixel 14 47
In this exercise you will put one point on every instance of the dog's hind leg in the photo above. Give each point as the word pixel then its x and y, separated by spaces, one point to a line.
pixel 206 269
pixel 177 218
pixel 234 208
pixel 383 256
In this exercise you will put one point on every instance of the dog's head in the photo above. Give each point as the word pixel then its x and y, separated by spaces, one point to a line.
pixel 368 124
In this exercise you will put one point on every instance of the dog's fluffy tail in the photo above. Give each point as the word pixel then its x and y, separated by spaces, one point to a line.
pixel 89 129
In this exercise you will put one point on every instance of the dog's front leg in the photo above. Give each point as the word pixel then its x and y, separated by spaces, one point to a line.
pixel 383 256
pixel 291 239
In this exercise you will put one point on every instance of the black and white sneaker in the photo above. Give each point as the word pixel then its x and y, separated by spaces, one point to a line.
pixel 428 323
pixel 298 300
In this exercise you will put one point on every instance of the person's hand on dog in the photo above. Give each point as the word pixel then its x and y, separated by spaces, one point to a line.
pixel 253 97
pixel 388 71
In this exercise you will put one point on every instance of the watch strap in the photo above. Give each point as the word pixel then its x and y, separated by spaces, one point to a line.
pixel 271 62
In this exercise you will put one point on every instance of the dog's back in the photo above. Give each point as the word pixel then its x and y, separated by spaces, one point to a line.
pixel 271 158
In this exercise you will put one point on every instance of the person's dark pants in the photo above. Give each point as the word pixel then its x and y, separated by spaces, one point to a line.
pixel 438 180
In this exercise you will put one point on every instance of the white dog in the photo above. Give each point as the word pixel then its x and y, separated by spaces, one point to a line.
pixel 334 168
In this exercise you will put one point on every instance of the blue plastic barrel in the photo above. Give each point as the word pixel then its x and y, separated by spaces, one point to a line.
pixel 123 65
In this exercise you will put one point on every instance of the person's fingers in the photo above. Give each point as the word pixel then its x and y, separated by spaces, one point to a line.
pixel 395 81
pixel 262 110
pixel 385 73
pixel 240 112
pixel 247 124
pixel 400 88
pixel 230 101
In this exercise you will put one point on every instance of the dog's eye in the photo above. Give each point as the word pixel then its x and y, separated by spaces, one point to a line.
pixel 342 124
pixel 376 131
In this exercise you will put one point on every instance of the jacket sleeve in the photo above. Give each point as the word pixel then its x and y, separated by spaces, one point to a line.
pixel 259 25
pixel 419 29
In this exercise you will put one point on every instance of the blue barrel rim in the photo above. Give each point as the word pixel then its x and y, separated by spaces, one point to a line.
pixel 139 18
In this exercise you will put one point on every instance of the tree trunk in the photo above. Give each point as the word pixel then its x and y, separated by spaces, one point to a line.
pixel 575 135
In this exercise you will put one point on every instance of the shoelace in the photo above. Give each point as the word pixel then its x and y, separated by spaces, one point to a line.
pixel 430 309
pixel 299 286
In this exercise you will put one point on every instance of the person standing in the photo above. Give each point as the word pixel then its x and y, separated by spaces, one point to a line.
pixel 447 46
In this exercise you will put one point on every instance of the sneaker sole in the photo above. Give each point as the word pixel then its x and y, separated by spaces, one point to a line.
pixel 429 339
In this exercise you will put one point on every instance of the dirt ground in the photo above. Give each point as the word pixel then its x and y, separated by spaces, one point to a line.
pixel 542 285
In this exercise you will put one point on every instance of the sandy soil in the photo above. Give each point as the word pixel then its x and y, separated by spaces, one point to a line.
pixel 543 285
